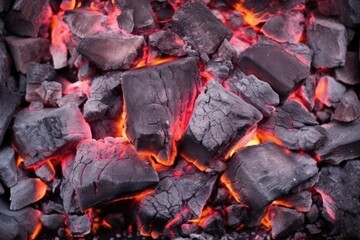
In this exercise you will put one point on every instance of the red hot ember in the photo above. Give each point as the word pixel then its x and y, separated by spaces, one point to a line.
pixel 179 119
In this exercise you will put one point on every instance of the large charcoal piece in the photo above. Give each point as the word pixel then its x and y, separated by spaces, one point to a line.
pixel 43 134
pixel 259 61
pixel 17 224
pixel 295 127
pixel 111 51
pixel 342 142
pixel 25 17
pixel 220 119
pixel 8 104
pixel 340 191
pixel 197 25
pixel 8 169
pixel 259 174
pixel 108 169
pixel 327 38
pixel 348 108
pixel 158 100
pixel 177 198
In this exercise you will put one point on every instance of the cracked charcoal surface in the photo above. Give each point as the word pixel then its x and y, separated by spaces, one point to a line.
pixel 198 26
pixel 181 196
pixel 259 174
pixel 219 120
pixel 8 174
pixel 295 127
pixel 340 190
pixel 153 122
pixel 108 169
pixel 256 92
pixel 111 51
pixel 43 134
pixel 9 102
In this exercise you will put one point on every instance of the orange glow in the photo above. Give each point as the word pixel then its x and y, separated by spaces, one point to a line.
pixel 155 61
pixel 143 195
pixel 298 97
pixel 121 126
pixel 321 91
pixel 68 4
pixel 250 17
pixel 265 136
pixel 227 183
pixel 207 211
pixel 266 219
pixel 207 76
pixel 328 203
pixel 19 161
pixel 36 231
pixel 82 86
pixel 41 189
pixel 250 135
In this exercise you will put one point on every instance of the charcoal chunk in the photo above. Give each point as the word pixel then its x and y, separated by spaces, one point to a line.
pixel 350 73
pixel 53 221
pixel 181 196
pixel 307 91
pixel 126 20
pixel 259 61
pixel 26 192
pixel 111 51
pixel 167 42
pixel 226 52
pixel 348 11
pixel 220 119
pixel 327 38
pixel 79 225
pixel 236 215
pixel 49 92
pixel 340 191
pixel 329 91
pixel 197 25
pixel 8 173
pixel 348 109
pixel 43 134
pixel 284 221
pixel 259 174
pixel 38 73
pixel 26 50
pixel 155 122
pixel 342 142
pixel 46 172
pixel 213 225
pixel 300 201
pixel 9 102
pixel 256 92
pixel 108 169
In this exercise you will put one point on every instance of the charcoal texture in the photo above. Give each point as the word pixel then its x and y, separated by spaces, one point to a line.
pixel 197 25
pixel 46 172
pixel 108 169
pixel 348 11
pixel 126 20
pixel 259 174
pixel 9 102
pixel 154 123
pixel 43 134
pixel 167 42
pixel 26 192
pixel 5 64
pixel 52 221
pixel 220 119
pixel 350 73
pixel 8 173
pixel 79 225
pixel 111 51
pixel 284 221
pixel 348 109
pixel 301 201
pixel 181 197
pixel 258 60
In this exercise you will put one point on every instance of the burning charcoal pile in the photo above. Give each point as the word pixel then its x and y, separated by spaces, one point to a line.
pixel 179 119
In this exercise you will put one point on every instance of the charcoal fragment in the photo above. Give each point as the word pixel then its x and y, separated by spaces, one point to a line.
pixel 5 64
pixel 284 221
pixel 350 73
pixel 226 52
pixel 49 92
pixel 213 225
pixel 300 201
pixel 52 221
pixel 8 174
pixel 126 20
pixel 167 42
pixel 9 102
pixel 26 192
pixel 236 215
pixel 329 91
pixel 348 109
pixel 46 172
pixel 79 225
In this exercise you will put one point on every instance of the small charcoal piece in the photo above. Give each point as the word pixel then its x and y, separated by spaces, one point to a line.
pixel 296 128
pixel 197 25
pixel 39 135
pixel 46 172
pixel 226 52
pixel 256 92
pixel 13 225
pixel 167 42
pixel 84 23
pixel 49 92
pixel 327 38
pixel 307 92
pixel 220 119
pixel 9 102
pixel 26 192
pixel 25 17
pixel 214 225
pixel 8 174
pixel 5 64
pixel 111 51
pixel 259 174
pixel 76 97
pixel 126 20
pixel 284 221
pixel 300 201
pixel 348 109
pixel 155 122
pixel 342 142
pixel 79 225
pixel 236 215
pixel 26 50
pixel 181 196
pixel 141 11
pixel 350 73
pixel 259 61
pixel 108 169
pixel 329 91
pixel 340 191
pixel 53 221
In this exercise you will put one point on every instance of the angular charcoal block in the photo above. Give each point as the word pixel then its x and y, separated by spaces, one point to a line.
pixel 300 201
pixel 49 92
pixel 79 225
pixel 327 38
pixel 342 142
pixel 53 221
pixel 348 109
pixel 350 73
pixel 142 13
pixel 105 96
pixel 13 225
pixel 197 25
pixel 329 91
pixel 301 51
pixel 167 42
pixel 259 174
pixel 26 50
pixel 38 73
pixel 236 215
pixel 226 52
pixel 307 91
pixel 256 92
pixel 158 100
pixel 126 20
pixel 295 127
pixel 214 225
pixel 43 134
pixel 46 172
pixel 76 98
pixel 26 192
pixel 9 101
pixel 220 119
pixel 284 221
pixel 340 191
pixel 8 173
pixel 259 61
pixel 179 196
pixel 111 51
pixel 108 169
pixel 25 18
pixel 5 64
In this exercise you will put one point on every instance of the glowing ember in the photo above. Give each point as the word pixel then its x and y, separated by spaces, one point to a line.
pixel 329 204
pixel 321 91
